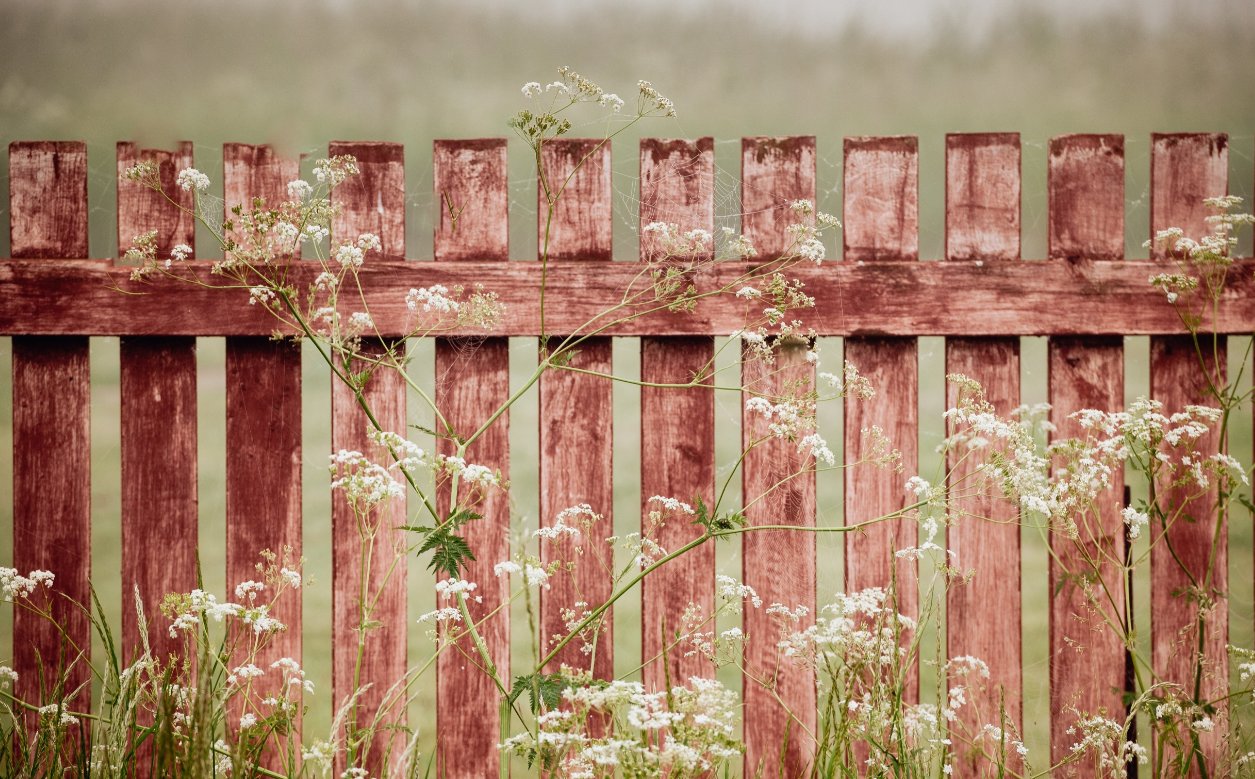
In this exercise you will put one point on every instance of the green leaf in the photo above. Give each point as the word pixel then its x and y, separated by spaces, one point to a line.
pixel 540 688
pixel 460 517
pixel 449 551
pixel 729 520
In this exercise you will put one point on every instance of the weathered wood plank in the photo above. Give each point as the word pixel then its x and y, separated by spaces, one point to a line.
pixel 48 199
pixel 472 197
pixel 779 565
pixel 1185 169
pixel 1087 659
pixel 263 388
pixel 1086 197
pixel 1039 297
pixel 774 173
pixel 158 391
pixel 140 209
pixel 576 438
pixel 472 200
pixel 1085 179
pixel 158 420
pixel 255 171
pixel 373 201
pixel 881 208
pixel 51 433
pixel 881 203
pixel 677 426
pixel 983 613
pixel 983 196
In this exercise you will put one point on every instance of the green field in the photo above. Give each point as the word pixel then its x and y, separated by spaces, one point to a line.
pixel 298 75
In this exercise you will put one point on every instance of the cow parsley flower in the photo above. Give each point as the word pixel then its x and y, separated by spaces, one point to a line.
pixel 299 189
pixel 192 179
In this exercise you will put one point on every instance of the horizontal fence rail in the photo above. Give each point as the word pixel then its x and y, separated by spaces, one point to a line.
pixel 981 296
pixel 961 297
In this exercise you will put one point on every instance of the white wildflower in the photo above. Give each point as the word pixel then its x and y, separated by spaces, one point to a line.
pixel 191 178
pixel 299 189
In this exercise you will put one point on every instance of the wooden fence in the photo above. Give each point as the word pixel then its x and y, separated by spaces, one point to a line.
pixel 1085 296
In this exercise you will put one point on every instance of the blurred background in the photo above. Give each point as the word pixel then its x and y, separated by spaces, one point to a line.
pixel 300 73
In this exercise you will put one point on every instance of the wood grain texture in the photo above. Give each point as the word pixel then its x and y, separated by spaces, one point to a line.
pixel 52 513
pixel 881 209
pixel 51 433
pixel 1176 380
pixel 472 200
pixel 1085 176
pixel 1185 169
pixel 157 381
pixel 263 388
pixel 263 476
pixel 677 426
pixel 677 187
pixel 255 171
pixel 774 173
pixel 373 201
pixel 577 179
pixel 881 203
pixel 140 209
pixel 576 435
pixel 1039 297
pixel 983 196
pixel 983 613
pixel 473 381
pixel 48 199
pixel 158 420
pixel 779 565
pixel 1087 657
pixel 263 414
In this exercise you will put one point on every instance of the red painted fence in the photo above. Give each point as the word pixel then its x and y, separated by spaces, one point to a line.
pixel 1084 296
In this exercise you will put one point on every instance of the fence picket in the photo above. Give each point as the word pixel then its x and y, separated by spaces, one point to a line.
pixel 1185 169
pixel 1086 220
pixel 983 223
pixel 677 426
pixel 373 201
pixel 576 441
pixel 263 388
pixel 158 406
pixel 51 428
pixel 779 565
pixel 881 222
pixel 473 381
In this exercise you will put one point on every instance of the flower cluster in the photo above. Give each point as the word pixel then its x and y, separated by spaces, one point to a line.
pixel 685 731
pixel 1204 262
pixel 365 483
pixel 15 585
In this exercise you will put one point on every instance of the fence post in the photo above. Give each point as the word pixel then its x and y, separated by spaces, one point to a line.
pixel 372 201
pixel 1085 180
pixel 1185 169
pixel 473 381
pixel 881 206
pixel 677 426
pixel 263 388
pixel 51 429
pixel 158 400
pixel 983 613
pixel 576 439
pixel 779 565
